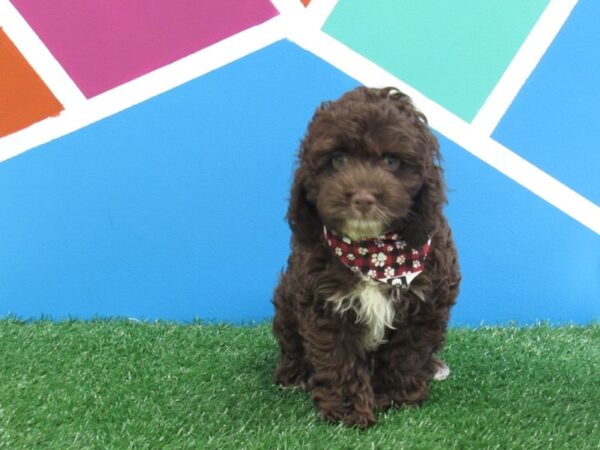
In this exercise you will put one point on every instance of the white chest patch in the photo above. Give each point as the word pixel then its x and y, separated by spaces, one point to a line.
pixel 373 309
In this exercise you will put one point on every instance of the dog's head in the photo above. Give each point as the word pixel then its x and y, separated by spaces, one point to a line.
pixel 368 165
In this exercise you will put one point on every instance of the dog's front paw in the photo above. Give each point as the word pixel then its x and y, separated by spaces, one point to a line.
pixel 359 420
pixel 352 419
pixel 413 394
pixel 291 374
pixel 383 401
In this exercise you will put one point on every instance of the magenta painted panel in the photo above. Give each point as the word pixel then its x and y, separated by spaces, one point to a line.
pixel 104 43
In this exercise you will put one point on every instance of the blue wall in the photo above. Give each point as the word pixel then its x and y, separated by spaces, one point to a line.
pixel 174 209
pixel 522 259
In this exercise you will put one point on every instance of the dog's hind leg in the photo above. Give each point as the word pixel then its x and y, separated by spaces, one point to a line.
pixel 292 369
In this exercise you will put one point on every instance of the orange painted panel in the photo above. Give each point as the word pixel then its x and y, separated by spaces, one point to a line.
pixel 24 98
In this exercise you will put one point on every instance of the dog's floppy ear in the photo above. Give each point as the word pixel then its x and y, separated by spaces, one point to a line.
pixel 302 214
pixel 430 199
pixel 428 203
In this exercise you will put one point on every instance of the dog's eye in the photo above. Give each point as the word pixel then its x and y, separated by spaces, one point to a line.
pixel 391 162
pixel 338 160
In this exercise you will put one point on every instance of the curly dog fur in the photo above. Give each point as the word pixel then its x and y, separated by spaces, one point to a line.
pixel 367 165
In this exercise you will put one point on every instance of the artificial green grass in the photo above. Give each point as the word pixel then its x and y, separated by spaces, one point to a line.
pixel 118 384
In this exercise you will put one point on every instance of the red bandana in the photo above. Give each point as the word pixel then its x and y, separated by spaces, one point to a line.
pixel 385 258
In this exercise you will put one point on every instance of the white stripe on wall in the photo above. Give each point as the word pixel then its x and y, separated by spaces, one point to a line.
pixel 523 64
pixel 318 11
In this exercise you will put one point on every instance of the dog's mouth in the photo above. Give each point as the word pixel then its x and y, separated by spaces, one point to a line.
pixel 358 229
pixel 356 220
pixel 365 216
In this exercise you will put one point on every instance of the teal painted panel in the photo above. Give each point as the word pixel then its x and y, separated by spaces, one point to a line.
pixel 454 52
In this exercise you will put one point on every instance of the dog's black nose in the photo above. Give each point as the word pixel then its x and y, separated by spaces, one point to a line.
pixel 363 201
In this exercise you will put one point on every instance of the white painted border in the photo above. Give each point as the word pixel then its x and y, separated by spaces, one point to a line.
pixel 318 11
pixel 527 58
pixel 40 58
pixel 288 7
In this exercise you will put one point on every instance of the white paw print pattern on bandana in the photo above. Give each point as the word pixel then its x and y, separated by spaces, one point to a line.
pixel 338 251
pixel 363 251
pixel 416 265
pixel 401 259
pixel 378 259
pixel 401 245
pixel 351 257
pixel 389 272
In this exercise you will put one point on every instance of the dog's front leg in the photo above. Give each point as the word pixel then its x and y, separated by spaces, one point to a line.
pixel 404 365
pixel 340 383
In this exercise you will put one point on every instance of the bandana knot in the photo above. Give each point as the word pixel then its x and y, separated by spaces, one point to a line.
pixel 386 258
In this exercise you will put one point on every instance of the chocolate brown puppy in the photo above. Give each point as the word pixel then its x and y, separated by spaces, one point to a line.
pixel 364 302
